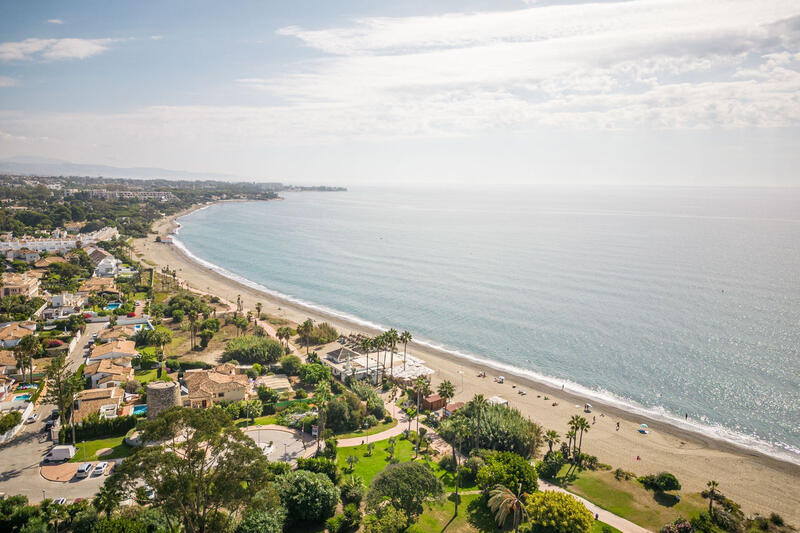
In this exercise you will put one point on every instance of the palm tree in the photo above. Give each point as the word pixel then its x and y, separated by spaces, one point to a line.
pixel 259 307
pixel 583 426
pixel 573 424
pixel 351 462
pixel 322 394
pixel 420 384
pixel 379 345
pixel 193 321
pixel 551 438
pixel 366 347
pixel 479 405
pixel 405 338
pixel 504 503
pixel 27 348
pixel 571 436
pixel 712 492
pixel 461 430
pixel 107 499
pixel 305 330
pixel 392 337
pixel 446 390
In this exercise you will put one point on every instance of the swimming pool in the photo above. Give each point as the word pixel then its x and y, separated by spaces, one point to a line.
pixel 139 410
pixel 112 306
pixel 22 398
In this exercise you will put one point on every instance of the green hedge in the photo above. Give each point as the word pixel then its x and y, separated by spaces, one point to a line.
pixel 95 427
pixel 9 421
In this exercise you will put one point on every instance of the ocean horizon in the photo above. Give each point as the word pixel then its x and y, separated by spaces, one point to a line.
pixel 668 302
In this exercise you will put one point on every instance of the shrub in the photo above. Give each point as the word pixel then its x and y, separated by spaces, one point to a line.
pixel 678 526
pixel 267 395
pixel 507 469
pixel 259 521
pixel 313 373
pixel 308 497
pixel 177 316
pixel 290 365
pixel 776 519
pixel 94 427
pixel 370 421
pixel 502 429
pixel 320 465
pixel 470 468
pixel 620 474
pixel 300 394
pixel 660 482
pixel 336 524
pixel 250 349
pixel 9 421
pixel 560 512
pixel 549 467
pixel 353 489
pixel 352 515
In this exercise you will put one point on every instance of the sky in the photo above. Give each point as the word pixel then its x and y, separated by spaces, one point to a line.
pixel 643 92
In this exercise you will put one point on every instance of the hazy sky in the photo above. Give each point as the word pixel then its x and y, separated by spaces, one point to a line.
pixel 638 91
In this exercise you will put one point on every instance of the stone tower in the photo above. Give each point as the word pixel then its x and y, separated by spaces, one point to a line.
pixel 162 395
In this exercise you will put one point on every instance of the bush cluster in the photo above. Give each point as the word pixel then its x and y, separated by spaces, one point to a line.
pixel 94 427
pixel 9 421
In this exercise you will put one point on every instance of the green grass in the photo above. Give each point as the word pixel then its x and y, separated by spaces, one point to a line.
pixel 259 421
pixel 383 426
pixel 368 466
pixel 140 296
pixel 160 297
pixel 118 450
pixel 439 517
pixel 630 500
pixel 598 528
pixel 144 376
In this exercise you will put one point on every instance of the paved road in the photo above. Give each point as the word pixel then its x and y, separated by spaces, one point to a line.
pixel 20 459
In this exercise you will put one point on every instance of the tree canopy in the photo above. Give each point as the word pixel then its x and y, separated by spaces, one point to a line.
pixel 556 512
pixel 405 486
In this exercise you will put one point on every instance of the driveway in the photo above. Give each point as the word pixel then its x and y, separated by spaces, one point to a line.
pixel 79 353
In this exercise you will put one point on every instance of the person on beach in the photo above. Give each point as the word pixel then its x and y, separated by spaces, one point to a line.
pixel 617 426
pixel 594 420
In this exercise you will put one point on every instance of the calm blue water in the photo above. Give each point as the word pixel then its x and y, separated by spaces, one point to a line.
pixel 672 301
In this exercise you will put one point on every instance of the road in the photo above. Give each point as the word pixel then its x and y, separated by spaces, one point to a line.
pixel 20 460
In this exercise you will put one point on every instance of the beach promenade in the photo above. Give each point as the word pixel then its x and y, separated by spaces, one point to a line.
pixel 759 483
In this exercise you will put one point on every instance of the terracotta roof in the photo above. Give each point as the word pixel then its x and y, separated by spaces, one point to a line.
pixel 117 332
pixel 121 365
pixel 455 406
pixel 91 400
pixel 204 383
pixel 7 358
pixel 98 255
pixel 45 262
pixel 14 331
pixel 98 284
pixel 118 346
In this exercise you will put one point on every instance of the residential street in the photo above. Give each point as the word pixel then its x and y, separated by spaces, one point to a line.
pixel 20 460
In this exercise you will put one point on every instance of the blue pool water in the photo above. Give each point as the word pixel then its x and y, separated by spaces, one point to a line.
pixel 22 398
pixel 112 306
pixel 139 410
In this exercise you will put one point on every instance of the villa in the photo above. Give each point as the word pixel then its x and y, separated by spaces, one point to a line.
pixel 12 333
pixel 113 350
pixel 45 262
pixel 207 387
pixel 434 402
pixel 116 333
pixel 100 285
pixel 105 264
pixel 24 284
pixel 109 373
pixel 451 408
pixel 8 364
pixel 106 402
pixel 62 243
pixel 63 305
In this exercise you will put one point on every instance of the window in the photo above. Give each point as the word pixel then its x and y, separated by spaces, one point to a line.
pixel 220 395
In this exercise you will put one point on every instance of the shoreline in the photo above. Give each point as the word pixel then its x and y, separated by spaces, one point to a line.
pixel 759 481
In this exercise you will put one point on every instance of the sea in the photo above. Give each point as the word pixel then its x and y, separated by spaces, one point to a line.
pixel 681 304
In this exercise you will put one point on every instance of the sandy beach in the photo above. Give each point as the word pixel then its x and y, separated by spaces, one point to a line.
pixel 759 483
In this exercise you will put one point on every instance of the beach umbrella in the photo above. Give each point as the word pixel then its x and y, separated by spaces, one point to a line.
pixel 589 405
pixel 643 425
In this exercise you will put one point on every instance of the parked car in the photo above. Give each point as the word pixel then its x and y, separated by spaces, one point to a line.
pixel 100 469
pixel 84 470
pixel 60 501
pixel 33 418
pixel 131 314
pixel 63 452
pixel 54 414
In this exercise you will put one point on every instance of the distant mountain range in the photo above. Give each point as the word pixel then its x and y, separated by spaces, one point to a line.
pixel 44 166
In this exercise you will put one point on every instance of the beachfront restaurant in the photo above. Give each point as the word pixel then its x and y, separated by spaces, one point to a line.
pixel 345 362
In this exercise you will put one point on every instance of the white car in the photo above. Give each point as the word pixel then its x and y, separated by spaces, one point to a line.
pixel 60 501
pixel 33 418
pixel 84 470
pixel 100 469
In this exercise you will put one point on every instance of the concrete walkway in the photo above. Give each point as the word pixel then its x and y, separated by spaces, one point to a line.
pixel 626 526
pixel 401 426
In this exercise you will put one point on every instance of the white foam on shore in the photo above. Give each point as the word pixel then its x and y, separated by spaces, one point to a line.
pixel 778 450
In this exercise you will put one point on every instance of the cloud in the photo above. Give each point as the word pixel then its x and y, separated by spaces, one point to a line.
pixel 156 37
pixel 655 63
pixel 6 81
pixel 55 21
pixel 52 49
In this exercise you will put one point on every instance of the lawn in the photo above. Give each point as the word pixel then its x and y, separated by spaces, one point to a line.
pixel 160 297
pixel 140 296
pixel 118 450
pixel 260 421
pixel 383 426
pixel 145 376
pixel 630 500
pixel 438 517
pixel 601 527
pixel 368 466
